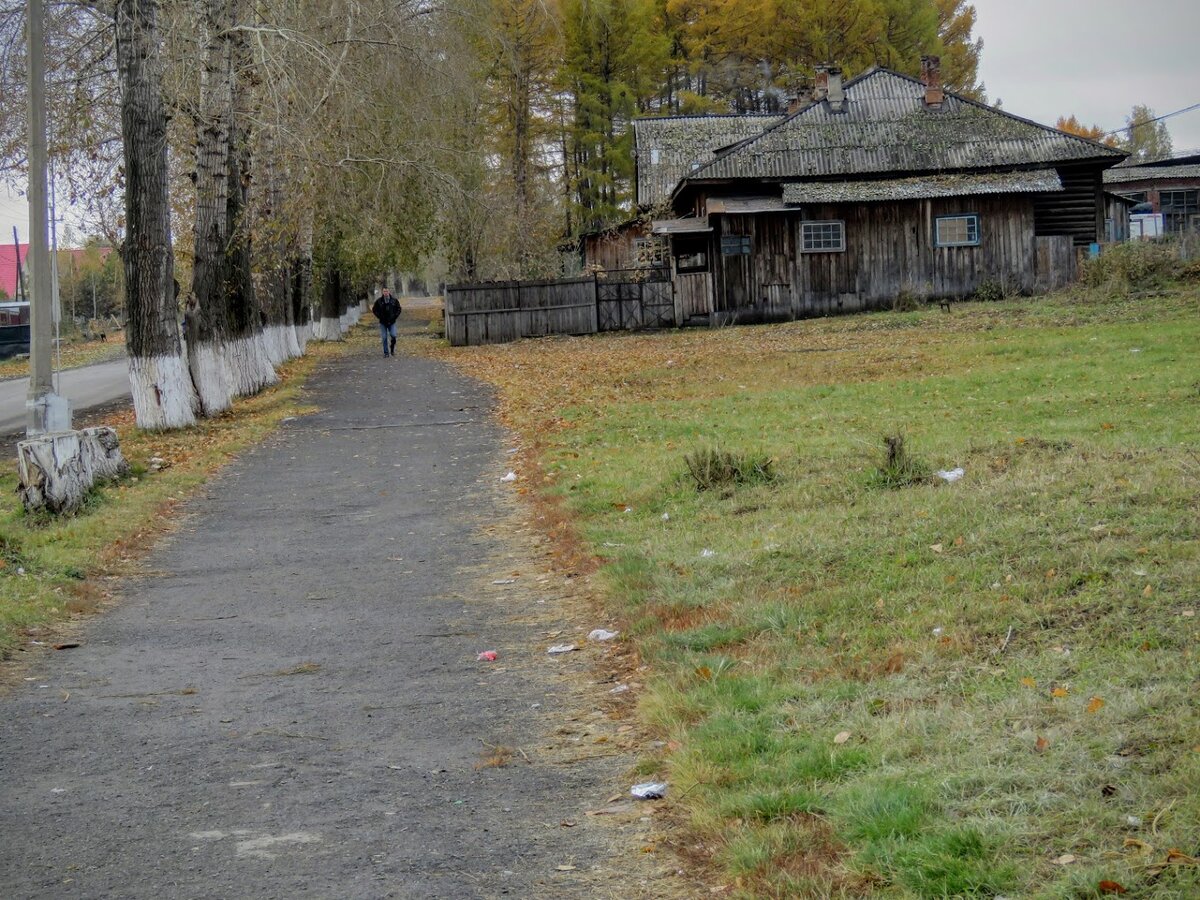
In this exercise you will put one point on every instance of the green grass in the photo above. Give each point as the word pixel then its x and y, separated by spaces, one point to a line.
pixel 1013 656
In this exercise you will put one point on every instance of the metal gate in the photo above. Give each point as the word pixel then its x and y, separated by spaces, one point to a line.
pixel 630 299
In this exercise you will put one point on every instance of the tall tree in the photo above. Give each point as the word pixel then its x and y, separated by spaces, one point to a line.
pixel 1145 139
pixel 1072 125
pixel 161 388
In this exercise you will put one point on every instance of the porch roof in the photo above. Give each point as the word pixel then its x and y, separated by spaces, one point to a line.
pixel 681 226
pixel 1038 181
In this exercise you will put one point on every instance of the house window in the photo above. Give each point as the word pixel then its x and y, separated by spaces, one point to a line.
pixel 822 237
pixel 691 254
pixel 956 231
pixel 1178 208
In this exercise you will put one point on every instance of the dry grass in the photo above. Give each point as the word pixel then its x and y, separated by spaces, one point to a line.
pixel 947 687
pixel 83 353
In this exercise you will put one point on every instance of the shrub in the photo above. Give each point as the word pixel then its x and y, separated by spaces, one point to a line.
pixel 905 302
pixel 1137 265
pixel 899 469
pixel 991 291
pixel 712 468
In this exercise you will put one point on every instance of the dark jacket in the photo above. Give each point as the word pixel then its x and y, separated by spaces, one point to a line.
pixel 386 310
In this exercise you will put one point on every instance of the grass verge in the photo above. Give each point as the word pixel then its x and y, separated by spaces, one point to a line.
pixel 83 353
pixel 884 684
pixel 55 568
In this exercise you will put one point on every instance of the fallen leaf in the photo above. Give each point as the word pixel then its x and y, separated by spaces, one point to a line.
pixel 1095 705
pixel 1029 682
pixel 1059 692
pixel 1139 846
pixel 1065 860
pixel 936 548
pixel 1110 887
pixel 841 737
pixel 566 868
pixel 1188 613
pixel 69 645
pixel 1147 591
pixel 704 672
pixel 1041 744
pixel 1176 857
pixel 1052 573
pixel 959 541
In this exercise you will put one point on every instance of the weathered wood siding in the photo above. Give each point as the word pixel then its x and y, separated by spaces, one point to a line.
pixel 612 249
pixel 1077 211
pixel 506 311
pixel 1055 263
pixel 693 295
pixel 890 249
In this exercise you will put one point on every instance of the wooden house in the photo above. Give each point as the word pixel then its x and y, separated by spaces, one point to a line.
pixel 884 186
pixel 1167 187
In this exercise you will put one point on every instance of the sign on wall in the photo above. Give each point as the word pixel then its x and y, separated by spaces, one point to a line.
pixel 735 245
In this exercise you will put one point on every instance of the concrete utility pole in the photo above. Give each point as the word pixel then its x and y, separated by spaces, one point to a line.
pixel 47 412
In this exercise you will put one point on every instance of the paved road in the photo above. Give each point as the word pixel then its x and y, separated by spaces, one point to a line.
pixel 86 387
pixel 289 703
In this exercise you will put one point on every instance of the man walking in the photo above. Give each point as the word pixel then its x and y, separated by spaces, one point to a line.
pixel 387 311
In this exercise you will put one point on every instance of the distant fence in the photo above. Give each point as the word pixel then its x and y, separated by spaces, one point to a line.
pixel 504 311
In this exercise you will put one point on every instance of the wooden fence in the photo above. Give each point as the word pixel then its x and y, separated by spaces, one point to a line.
pixel 506 311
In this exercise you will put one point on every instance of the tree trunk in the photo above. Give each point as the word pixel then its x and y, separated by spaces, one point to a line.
pixel 249 364
pixel 329 328
pixel 302 283
pixel 208 318
pixel 162 389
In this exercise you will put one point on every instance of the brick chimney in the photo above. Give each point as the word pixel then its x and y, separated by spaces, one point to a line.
pixel 802 98
pixel 931 77
pixel 821 84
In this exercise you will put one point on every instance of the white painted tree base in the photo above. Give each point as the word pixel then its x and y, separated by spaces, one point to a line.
pixel 210 376
pixel 249 369
pixel 327 329
pixel 163 396
pixel 56 471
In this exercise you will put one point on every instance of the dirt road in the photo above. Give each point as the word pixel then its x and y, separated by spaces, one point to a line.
pixel 288 703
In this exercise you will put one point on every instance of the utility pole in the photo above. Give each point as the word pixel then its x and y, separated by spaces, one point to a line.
pixel 46 411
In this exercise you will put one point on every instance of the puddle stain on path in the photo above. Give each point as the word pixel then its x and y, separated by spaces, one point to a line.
pixel 335 709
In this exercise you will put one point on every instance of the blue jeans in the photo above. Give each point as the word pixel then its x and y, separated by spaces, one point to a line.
pixel 385 332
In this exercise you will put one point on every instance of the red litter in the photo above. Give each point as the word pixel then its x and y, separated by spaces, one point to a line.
pixel 487 656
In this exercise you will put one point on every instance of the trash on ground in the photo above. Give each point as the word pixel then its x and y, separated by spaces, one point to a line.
pixel 706 553
pixel 505 581
pixel 937 632
pixel 666 517
pixel 951 475
pixel 511 476
pixel 619 689
pixel 487 656
pixel 650 790
pixel 601 634
pixel 561 648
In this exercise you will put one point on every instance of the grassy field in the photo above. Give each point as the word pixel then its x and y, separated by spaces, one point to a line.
pixel 52 569
pixel 83 353
pixel 882 684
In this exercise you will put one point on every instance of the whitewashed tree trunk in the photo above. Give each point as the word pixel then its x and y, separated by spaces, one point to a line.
pixel 209 371
pixel 162 391
pixel 56 471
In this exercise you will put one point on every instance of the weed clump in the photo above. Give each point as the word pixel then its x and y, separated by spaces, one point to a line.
pixel 1136 265
pixel 712 468
pixel 905 301
pixel 899 468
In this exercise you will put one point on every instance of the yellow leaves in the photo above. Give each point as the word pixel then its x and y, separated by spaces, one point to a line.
pixel 1059 692
pixel 1029 682
pixel 1147 591
pixel 704 673
pixel 841 737
pixel 1095 705
pixel 1111 887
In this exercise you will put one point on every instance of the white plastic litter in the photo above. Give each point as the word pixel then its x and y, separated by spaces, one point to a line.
pixel 937 632
pixel 561 648
pixel 505 581
pixel 707 554
pixel 511 476
pixel 619 689
pixel 650 790
pixel 601 634
pixel 952 475
pixel 666 517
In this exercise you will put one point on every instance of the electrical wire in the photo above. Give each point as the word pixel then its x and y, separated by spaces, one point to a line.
pixel 1171 115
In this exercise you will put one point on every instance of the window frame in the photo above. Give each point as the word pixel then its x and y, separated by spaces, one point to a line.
pixel 841 232
pixel 937 238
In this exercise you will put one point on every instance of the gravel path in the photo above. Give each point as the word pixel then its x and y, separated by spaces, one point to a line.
pixel 289 704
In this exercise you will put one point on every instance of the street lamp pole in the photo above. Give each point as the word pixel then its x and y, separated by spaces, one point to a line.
pixel 47 412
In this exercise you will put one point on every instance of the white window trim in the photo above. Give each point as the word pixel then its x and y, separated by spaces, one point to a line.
pixel 937 241
pixel 841 231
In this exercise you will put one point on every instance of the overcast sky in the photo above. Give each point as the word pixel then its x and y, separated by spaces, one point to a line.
pixel 1045 58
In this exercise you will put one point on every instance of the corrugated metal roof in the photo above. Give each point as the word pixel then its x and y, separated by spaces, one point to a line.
pixel 886 127
pixel 1123 174
pixel 681 226
pixel 670 147
pixel 1039 181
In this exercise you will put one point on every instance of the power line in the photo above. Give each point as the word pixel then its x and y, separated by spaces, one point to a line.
pixel 1178 112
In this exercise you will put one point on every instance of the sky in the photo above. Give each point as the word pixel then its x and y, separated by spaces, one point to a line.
pixel 1093 59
